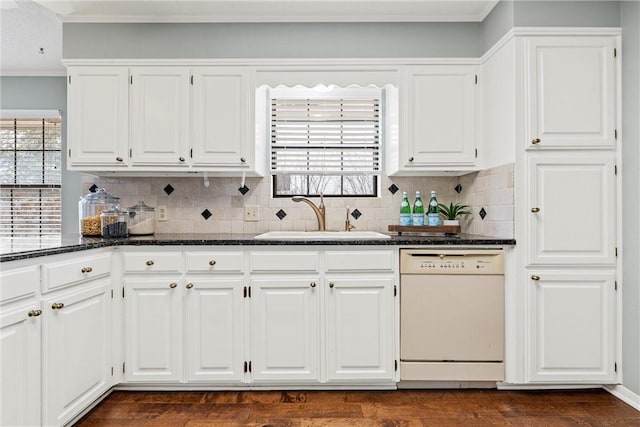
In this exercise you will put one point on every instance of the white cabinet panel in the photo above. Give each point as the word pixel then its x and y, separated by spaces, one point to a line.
pixel 572 326
pixel 360 328
pixel 214 330
pixel 220 117
pixel 441 111
pixel 153 329
pixel 160 116
pixel 571 92
pixel 57 275
pixel 98 121
pixel 214 262
pixel 575 194
pixel 20 365
pixel 76 352
pixel 285 336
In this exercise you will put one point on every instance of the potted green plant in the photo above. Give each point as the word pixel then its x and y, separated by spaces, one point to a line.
pixel 452 212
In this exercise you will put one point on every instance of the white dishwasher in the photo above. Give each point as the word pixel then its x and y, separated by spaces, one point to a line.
pixel 451 315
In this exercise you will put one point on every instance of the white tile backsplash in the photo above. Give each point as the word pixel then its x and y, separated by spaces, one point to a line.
pixel 491 189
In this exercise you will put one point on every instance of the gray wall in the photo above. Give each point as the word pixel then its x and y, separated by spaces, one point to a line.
pixel 46 93
pixel 566 14
pixel 630 20
pixel 497 23
pixel 272 40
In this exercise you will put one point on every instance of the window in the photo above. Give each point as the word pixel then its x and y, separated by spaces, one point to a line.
pixel 325 141
pixel 30 193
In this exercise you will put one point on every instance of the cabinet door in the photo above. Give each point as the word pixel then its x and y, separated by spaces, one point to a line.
pixel 574 195
pixel 571 92
pixel 77 348
pixel 360 328
pixel 98 122
pixel 441 111
pixel 153 330
pixel 20 365
pixel 160 116
pixel 285 329
pixel 221 117
pixel 572 327
pixel 214 330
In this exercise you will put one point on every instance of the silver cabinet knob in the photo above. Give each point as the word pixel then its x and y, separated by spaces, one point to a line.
pixel 313 284
pixel 243 160
pixel 87 270
pixel 535 141
pixel 181 158
pixel 189 285
pixel 149 263
pixel 34 313
pixel 212 262
pixel 331 285
pixel 411 159
pixel 57 306
pixel 173 285
pixel 534 277
pixel 535 210
pixel 119 159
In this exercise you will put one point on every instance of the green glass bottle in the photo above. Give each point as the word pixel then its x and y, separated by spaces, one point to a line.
pixel 405 210
pixel 418 211
pixel 433 214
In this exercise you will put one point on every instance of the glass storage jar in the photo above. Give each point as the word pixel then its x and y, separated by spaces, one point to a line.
pixel 142 219
pixel 114 223
pixel 91 206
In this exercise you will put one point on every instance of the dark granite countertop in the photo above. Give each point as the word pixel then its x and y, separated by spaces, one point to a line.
pixel 32 248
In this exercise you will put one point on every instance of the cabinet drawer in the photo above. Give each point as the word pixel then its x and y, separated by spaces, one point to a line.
pixel 156 262
pixel 360 260
pixel 284 261
pixel 59 274
pixel 19 283
pixel 206 262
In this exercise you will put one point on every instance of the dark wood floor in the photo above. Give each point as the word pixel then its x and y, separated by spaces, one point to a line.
pixel 355 408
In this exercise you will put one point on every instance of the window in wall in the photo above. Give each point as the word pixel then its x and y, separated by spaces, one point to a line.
pixel 30 192
pixel 325 141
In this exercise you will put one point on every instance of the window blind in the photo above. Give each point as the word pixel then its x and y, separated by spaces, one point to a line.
pixel 30 190
pixel 325 136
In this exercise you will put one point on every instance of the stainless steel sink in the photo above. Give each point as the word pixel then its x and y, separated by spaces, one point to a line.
pixel 322 235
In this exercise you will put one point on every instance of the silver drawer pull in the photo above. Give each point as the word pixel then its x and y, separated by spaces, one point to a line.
pixel 535 210
pixel 173 285
pixel 535 141
pixel 313 284
pixel 534 277
pixel 331 285
pixel 34 313
pixel 149 263
pixel 189 285
pixel 212 262
pixel 86 270
pixel 57 306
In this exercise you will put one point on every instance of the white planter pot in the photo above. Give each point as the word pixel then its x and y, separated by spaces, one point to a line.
pixel 450 222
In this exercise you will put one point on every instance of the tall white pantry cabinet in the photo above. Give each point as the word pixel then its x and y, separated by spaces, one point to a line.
pixel 564 290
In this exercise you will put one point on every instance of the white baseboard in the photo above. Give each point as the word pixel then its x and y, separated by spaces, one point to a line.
pixel 624 394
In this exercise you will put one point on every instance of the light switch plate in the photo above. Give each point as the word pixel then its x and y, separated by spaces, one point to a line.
pixel 162 213
pixel 252 213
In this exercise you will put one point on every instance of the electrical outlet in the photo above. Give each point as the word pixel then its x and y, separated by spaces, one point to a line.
pixel 252 213
pixel 162 213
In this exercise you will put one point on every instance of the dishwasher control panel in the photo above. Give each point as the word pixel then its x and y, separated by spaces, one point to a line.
pixel 461 261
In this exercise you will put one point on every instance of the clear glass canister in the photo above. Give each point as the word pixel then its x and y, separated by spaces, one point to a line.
pixel 114 223
pixel 142 219
pixel 91 206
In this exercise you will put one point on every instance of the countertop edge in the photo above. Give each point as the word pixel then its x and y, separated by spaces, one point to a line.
pixel 248 240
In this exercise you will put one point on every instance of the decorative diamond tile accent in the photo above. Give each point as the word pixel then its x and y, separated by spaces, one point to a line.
pixel 281 214
pixel 93 188
pixel 458 188
pixel 356 214
pixel 168 189
pixel 393 189
pixel 206 214
pixel 244 190
pixel 483 213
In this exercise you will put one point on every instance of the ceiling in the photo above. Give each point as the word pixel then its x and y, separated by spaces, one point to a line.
pixel 31 30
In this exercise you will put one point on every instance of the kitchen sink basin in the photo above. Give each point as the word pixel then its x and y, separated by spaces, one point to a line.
pixel 322 235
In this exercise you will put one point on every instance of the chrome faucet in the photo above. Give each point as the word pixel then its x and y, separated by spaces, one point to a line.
pixel 318 210
pixel 347 222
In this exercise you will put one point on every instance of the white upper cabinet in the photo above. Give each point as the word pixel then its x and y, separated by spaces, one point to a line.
pixel 220 117
pixel 572 205
pixel 571 86
pixel 439 111
pixel 160 116
pixel 572 330
pixel 98 120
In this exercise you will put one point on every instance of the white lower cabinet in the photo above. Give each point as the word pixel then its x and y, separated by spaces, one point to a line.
pixel 214 330
pixel 360 328
pixel 285 327
pixel 572 326
pixel 76 349
pixel 153 329
pixel 20 378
